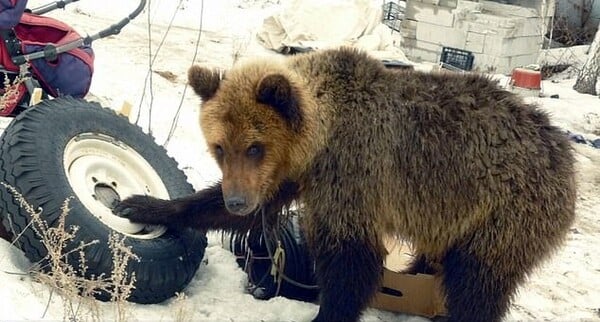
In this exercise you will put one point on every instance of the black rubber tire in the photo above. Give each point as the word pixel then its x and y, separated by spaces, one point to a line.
pixel 31 160
pixel 253 256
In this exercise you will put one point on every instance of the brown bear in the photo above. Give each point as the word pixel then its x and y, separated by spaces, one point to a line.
pixel 478 181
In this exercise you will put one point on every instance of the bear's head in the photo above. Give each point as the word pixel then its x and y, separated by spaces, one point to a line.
pixel 255 124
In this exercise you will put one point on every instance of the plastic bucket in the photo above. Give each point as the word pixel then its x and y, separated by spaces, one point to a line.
pixel 526 78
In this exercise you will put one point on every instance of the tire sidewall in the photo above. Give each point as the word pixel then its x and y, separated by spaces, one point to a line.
pixel 56 123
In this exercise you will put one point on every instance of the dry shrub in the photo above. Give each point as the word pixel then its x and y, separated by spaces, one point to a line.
pixel 239 46
pixel 573 23
pixel 10 92
pixel 75 288
pixel 181 308
pixel 570 36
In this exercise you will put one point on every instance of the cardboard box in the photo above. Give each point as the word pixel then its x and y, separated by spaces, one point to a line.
pixel 419 294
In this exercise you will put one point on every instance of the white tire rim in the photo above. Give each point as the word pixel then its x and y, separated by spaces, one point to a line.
pixel 103 170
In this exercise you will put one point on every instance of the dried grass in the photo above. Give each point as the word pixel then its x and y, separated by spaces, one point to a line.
pixel 181 308
pixel 76 290
pixel 10 92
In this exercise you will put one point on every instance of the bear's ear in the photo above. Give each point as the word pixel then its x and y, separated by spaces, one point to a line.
pixel 204 81
pixel 277 91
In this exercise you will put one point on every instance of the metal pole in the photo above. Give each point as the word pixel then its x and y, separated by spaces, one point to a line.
pixel 51 51
pixel 51 6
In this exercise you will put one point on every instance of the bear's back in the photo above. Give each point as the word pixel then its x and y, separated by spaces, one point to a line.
pixel 429 144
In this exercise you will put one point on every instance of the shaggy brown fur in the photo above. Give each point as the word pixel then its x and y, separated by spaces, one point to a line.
pixel 479 182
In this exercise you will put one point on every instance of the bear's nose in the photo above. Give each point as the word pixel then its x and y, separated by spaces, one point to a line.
pixel 236 204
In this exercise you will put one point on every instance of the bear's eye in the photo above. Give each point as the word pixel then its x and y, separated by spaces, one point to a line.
pixel 255 151
pixel 219 151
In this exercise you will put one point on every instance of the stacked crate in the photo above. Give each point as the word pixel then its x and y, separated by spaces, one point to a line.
pixel 500 36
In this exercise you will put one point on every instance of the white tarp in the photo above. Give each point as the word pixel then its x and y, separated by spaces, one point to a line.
pixel 321 24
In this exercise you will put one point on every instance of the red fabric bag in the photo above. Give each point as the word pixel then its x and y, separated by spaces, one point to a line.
pixel 69 74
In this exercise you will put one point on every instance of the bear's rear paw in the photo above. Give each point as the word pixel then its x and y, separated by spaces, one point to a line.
pixel 145 210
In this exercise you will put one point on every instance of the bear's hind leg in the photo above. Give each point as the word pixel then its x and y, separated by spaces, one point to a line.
pixel 348 274
pixel 474 290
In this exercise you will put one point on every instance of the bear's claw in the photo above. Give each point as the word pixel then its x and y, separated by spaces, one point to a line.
pixel 142 209
pixel 122 210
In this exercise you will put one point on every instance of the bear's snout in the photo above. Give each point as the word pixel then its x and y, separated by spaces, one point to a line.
pixel 237 205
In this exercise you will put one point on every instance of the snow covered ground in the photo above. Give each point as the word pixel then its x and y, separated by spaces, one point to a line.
pixel 566 288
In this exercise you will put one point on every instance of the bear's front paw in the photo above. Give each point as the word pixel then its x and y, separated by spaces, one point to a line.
pixel 144 209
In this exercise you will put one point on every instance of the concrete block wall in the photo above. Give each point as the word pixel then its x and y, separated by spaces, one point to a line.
pixel 500 36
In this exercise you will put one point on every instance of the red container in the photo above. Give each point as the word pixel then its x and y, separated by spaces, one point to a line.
pixel 526 78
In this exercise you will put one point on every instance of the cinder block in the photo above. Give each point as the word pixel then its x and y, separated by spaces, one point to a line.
pixel 475 42
pixel 468 5
pixel 409 24
pixel 508 9
pixel 433 2
pixel 441 3
pixel 502 26
pixel 408 44
pixel 444 36
pixel 432 14
pixel 505 47
pixel 417 50
pixel 534 4
pixel 464 10
pixel 529 27
pixel 408 28
pixel 429 46
pixel 448 3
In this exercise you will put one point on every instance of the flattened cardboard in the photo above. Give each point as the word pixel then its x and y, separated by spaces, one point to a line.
pixel 413 294
pixel 419 294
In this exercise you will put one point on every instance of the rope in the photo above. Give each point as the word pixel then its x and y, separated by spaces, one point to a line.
pixel 150 65
pixel 278 265
pixel 149 75
pixel 177 114
pixel 270 253
pixel 151 60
